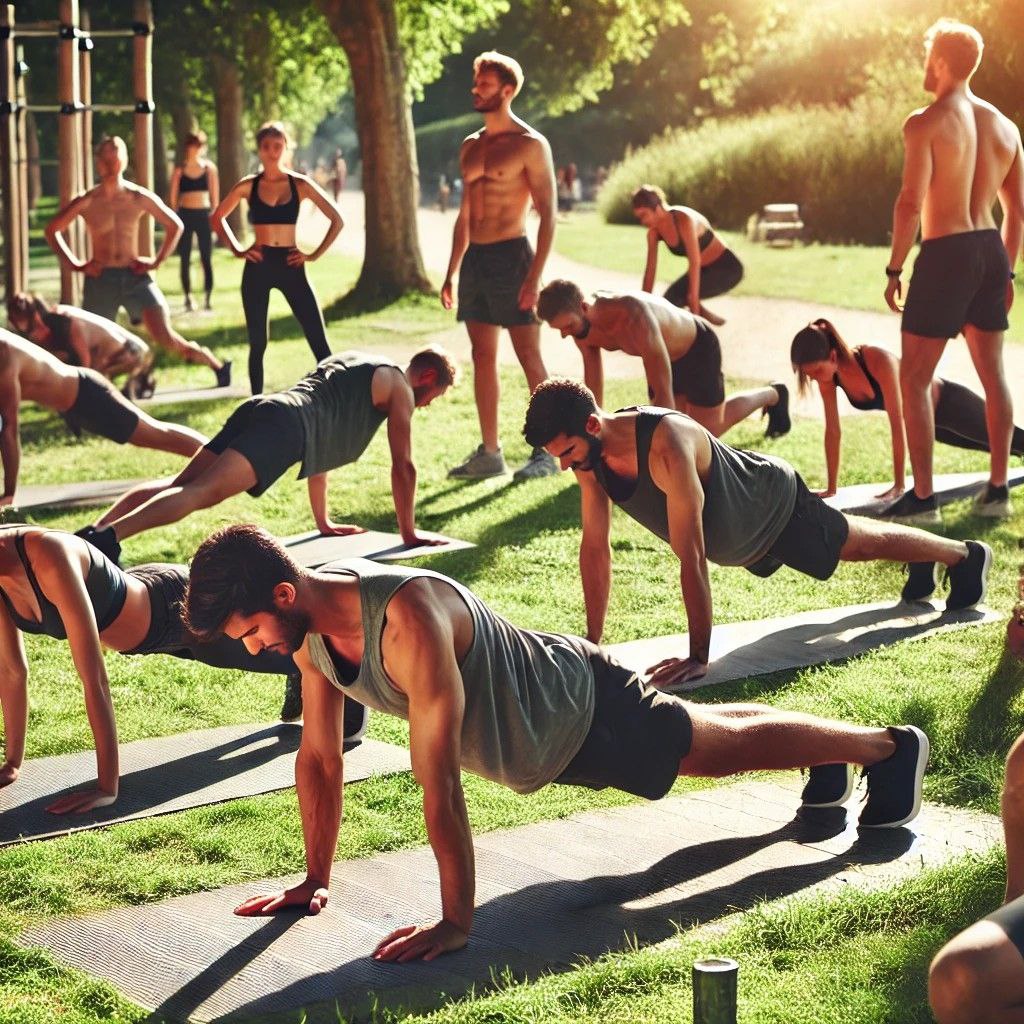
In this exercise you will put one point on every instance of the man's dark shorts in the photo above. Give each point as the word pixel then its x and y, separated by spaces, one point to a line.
pixel 489 282
pixel 697 375
pixel 267 434
pixel 119 286
pixel 958 279
pixel 810 542
pixel 101 409
pixel 637 738
pixel 1010 918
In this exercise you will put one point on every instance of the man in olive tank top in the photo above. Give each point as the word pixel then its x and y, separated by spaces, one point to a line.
pixel 323 422
pixel 520 707
pixel 714 503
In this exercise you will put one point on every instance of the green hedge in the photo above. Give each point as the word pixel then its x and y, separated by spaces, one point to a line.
pixel 841 164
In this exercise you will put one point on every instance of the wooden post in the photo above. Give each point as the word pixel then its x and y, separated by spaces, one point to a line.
pixel 142 79
pixel 69 147
pixel 85 88
pixel 21 184
pixel 13 272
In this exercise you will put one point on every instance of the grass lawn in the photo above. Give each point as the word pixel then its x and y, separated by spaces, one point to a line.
pixel 856 958
pixel 836 275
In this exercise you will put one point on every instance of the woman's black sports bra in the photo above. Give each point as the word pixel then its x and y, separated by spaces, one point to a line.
pixel 876 401
pixel 104 583
pixel 679 249
pixel 280 213
pixel 189 184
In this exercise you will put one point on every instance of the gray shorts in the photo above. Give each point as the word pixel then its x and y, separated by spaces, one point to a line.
pixel 489 281
pixel 101 409
pixel 119 286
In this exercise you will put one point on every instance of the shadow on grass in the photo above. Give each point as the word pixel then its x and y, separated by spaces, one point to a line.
pixel 990 725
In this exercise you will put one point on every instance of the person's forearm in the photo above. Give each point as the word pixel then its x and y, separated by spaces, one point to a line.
pixel 460 243
pixel 833 445
pixel 593 377
pixel 659 380
pixel 14 700
pixel 447 822
pixel 545 236
pixel 63 250
pixel 316 485
pixel 906 217
pixel 169 244
pixel 898 452
pixel 222 229
pixel 10 454
pixel 696 590
pixel 650 269
pixel 403 489
pixel 596 574
pixel 100 712
pixel 318 783
pixel 1013 238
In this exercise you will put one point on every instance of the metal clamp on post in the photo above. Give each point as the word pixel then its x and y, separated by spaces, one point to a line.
pixel 72 108
pixel 69 32
pixel 8 107
pixel 140 28
pixel 6 31
pixel 85 43
pixel 144 106
pixel 21 69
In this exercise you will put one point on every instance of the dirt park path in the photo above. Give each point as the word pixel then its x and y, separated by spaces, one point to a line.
pixel 755 338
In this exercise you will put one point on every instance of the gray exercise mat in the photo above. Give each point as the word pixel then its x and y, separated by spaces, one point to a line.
pixel 860 499
pixel 313 550
pixel 72 495
pixel 548 895
pixel 172 773
pixel 743 649
pixel 165 396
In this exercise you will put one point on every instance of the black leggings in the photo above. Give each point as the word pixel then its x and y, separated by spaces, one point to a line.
pixel 257 280
pixel 197 222
pixel 960 420
pixel 715 279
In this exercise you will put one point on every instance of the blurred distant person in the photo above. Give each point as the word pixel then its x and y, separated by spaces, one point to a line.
pixel 195 192
pixel 340 174
pixel 563 189
pixel 961 155
pixel 444 192
pixel 505 165
pixel 713 267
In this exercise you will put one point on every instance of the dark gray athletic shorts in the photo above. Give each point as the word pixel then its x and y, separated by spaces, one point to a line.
pixel 716 278
pixel 267 434
pixel 1010 918
pixel 811 540
pixel 101 409
pixel 697 375
pixel 489 281
pixel 638 735
pixel 118 286
pixel 958 279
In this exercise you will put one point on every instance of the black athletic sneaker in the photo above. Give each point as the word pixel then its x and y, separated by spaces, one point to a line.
pixel 778 414
pixel 920 583
pixel 357 717
pixel 968 580
pixel 993 502
pixel 291 709
pixel 912 509
pixel 224 375
pixel 828 785
pixel 894 785
pixel 103 541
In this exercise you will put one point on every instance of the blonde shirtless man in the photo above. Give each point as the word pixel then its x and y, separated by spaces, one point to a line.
pixel 505 166
pixel 961 155
pixel 80 338
pixel 681 354
pixel 117 275
pixel 86 401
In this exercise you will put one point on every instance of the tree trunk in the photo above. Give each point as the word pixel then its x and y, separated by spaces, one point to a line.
pixel 35 177
pixel 392 265
pixel 227 95
pixel 160 177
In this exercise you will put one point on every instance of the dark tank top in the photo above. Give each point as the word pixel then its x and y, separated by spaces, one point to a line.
pixel 104 583
pixel 189 184
pixel 280 213
pixel 529 696
pixel 748 497
pixel 876 401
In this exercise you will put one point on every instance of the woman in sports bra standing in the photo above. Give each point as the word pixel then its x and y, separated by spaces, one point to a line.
pixel 273 261
pixel 869 376
pixel 713 267
pixel 195 191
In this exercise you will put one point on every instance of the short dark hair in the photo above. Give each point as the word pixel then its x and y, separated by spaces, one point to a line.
pixel 196 138
pixel 649 196
pixel 234 571
pixel 269 129
pixel 560 296
pixel 558 406
pixel 435 358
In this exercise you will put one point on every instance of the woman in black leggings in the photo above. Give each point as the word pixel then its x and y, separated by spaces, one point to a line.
pixel 273 261
pixel 195 190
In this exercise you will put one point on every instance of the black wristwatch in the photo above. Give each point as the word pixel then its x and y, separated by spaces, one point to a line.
pixel 894 272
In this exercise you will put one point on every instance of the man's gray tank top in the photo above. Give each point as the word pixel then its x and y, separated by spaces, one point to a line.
pixel 335 407
pixel 748 497
pixel 529 695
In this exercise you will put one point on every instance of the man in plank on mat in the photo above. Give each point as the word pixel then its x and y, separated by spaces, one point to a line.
pixel 681 354
pixel 325 421
pixel 719 504
pixel 85 399
pixel 117 275
pixel 978 976
pixel 961 155
pixel 519 707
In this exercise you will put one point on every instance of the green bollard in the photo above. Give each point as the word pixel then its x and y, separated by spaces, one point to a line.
pixel 714 990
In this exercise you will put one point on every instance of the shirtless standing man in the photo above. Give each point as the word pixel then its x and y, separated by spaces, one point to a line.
pixel 681 354
pixel 504 166
pixel 961 154
pixel 117 275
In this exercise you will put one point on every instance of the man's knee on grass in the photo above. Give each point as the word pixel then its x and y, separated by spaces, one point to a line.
pixel 962 980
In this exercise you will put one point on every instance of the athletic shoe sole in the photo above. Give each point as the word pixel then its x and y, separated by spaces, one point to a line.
pixel 923 750
pixel 851 779
pixel 930 518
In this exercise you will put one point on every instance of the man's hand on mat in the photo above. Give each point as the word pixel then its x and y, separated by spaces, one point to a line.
pixel 894 291
pixel 8 774
pixel 310 895
pixel 675 671
pixel 894 492
pixel 329 529
pixel 417 539
pixel 420 942
pixel 6 500
pixel 82 801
